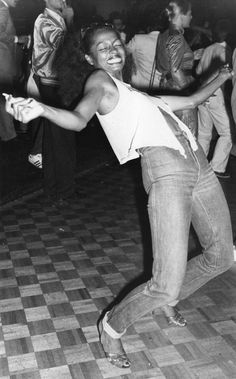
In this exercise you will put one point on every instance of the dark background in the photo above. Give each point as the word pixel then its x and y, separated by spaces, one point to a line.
pixel 136 12
pixel 17 176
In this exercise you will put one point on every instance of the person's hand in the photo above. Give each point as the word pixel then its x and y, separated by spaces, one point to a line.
pixel 198 54
pixel 67 13
pixel 22 109
pixel 226 72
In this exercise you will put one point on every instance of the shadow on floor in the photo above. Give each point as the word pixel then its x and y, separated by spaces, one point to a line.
pixel 19 177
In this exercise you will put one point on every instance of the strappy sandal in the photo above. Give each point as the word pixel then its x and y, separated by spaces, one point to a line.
pixel 116 359
pixel 36 160
pixel 176 319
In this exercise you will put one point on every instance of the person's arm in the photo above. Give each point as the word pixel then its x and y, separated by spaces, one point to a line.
pixel 203 30
pixel 68 14
pixel 4 36
pixel 177 103
pixel 131 45
pixel 26 110
pixel 4 20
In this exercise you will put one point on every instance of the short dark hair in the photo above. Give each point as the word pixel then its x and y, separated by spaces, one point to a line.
pixel 184 5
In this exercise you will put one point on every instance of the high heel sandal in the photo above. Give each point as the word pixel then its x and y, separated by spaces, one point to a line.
pixel 117 359
pixel 177 319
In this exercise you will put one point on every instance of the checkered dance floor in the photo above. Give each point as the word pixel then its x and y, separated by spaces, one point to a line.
pixel 61 266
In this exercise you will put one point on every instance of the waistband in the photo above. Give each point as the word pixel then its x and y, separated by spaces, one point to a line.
pixel 178 133
pixel 47 81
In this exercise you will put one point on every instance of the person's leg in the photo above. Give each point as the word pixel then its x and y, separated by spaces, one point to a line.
pixel 59 153
pixel 48 96
pixel 211 221
pixel 222 124
pixel 205 126
pixel 7 128
pixel 169 179
pixel 64 149
pixel 36 129
pixel 35 153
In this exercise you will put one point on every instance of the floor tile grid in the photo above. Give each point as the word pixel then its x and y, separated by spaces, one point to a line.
pixel 60 267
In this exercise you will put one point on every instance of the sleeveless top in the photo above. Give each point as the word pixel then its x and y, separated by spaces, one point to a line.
pixel 136 122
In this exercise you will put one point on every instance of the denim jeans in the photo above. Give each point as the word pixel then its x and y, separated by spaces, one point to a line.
pixel 181 190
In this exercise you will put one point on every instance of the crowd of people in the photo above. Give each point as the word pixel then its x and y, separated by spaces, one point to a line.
pixel 170 54
pixel 149 109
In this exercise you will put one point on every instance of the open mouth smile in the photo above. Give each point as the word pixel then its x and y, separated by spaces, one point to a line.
pixel 114 60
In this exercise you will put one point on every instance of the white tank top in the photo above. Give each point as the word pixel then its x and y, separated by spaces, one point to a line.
pixel 137 122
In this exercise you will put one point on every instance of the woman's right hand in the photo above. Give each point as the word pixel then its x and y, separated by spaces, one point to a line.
pixel 22 109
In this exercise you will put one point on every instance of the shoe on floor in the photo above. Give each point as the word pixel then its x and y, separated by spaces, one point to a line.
pixel 36 160
pixel 222 175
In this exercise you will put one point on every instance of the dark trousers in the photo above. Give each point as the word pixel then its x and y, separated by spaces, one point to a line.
pixel 36 129
pixel 59 151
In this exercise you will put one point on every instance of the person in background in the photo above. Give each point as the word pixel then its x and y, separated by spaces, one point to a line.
pixel 36 126
pixel 233 99
pixel 58 146
pixel 175 59
pixel 142 47
pixel 213 112
pixel 117 21
pixel 181 185
pixel 8 66
pixel 198 37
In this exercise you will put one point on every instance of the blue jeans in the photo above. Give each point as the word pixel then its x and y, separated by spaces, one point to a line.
pixel 182 190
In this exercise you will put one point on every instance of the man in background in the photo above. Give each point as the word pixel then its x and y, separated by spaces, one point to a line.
pixel 213 112
pixel 117 21
pixel 143 49
pixel 8 66
pixel 58 145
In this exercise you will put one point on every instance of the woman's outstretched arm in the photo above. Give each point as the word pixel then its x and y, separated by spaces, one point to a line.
pixel 26 110
pixel 177 103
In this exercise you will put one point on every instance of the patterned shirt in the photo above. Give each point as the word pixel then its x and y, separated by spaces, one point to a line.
pixel 49 32
pixel 174 55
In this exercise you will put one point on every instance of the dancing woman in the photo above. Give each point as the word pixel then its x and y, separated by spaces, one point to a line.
pixel 181 186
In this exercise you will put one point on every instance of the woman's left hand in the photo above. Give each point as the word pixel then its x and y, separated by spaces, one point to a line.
pixel 22 109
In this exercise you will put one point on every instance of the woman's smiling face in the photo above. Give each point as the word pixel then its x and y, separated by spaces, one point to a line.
pixel 107 51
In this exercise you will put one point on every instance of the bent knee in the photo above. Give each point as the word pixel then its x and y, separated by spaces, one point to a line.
pixel 226 258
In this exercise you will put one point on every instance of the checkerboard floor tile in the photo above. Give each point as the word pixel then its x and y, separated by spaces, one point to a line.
pixel 61 266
